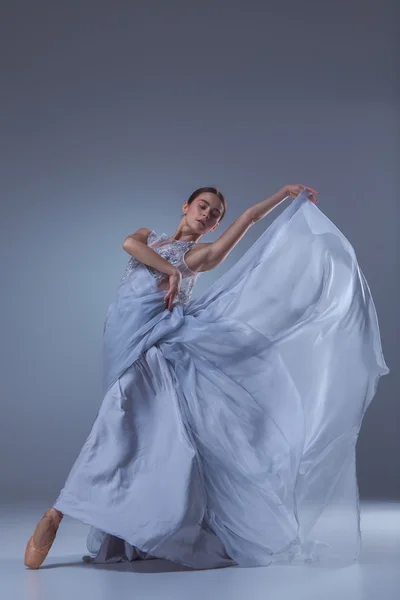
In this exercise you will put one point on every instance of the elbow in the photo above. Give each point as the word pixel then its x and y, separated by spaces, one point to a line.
pixel 250 216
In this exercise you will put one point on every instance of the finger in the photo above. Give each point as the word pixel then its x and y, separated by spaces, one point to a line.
pixel 311 189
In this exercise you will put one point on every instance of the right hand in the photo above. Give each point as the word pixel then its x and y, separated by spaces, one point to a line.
pixel 175 281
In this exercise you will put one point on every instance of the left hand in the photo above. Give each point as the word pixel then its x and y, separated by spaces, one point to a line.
pixel 295 189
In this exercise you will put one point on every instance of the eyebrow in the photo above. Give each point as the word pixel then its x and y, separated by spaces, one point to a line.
pixel 203 200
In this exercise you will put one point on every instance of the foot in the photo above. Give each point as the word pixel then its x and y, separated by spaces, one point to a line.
pixel 43 537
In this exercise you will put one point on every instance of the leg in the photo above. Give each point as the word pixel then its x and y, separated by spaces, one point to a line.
pixel 42 539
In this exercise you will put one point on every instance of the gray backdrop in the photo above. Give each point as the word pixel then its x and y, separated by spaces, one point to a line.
pixel 112 114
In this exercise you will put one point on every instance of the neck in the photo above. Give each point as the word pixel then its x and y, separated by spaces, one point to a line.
pixel 181 236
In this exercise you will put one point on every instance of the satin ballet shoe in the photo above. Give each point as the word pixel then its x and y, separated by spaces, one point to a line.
pixel 45 530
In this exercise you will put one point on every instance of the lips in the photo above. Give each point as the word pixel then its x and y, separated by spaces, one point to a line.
pixel 202 222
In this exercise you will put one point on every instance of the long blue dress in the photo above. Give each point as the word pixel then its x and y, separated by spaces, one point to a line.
pixel 228 427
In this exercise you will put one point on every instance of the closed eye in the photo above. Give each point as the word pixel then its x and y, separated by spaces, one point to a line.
pixel 216 213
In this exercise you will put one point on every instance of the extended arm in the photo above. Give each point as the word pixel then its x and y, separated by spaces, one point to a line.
pixel 216 252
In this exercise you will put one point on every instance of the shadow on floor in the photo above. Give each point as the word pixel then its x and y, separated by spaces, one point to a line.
pixel 153 565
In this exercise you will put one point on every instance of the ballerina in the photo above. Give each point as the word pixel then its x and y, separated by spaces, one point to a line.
pixel 227 431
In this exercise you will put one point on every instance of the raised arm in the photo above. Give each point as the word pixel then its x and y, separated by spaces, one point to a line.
pixel 216 252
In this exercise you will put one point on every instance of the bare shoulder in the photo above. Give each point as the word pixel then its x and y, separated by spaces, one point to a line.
pixel 141 235
pixel 204 257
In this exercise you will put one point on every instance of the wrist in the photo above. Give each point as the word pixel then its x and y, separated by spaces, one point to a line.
pixel 284 191
pixel 175 271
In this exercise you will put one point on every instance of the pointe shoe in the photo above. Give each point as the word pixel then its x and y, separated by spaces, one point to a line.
pixel 45 531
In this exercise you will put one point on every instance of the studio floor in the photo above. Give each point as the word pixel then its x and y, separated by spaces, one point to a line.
pixel 65 576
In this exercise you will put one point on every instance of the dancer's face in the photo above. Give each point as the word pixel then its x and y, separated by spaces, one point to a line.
pixel 204 213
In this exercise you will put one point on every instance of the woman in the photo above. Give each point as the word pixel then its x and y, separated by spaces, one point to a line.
pixel 228 427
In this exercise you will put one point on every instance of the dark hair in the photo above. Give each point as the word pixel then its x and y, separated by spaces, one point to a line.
pixel 211 190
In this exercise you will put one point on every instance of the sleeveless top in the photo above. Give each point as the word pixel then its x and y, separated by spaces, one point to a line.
pixel 173 251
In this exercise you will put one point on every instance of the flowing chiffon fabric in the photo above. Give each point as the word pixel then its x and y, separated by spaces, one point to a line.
pixel 228 428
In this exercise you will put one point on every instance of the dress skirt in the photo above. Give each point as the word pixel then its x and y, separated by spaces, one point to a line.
pixel 228 427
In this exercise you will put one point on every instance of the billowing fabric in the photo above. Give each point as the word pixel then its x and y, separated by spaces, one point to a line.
pixel 228 427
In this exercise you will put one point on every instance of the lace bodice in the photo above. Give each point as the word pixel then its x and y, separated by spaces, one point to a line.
pixel 174 252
